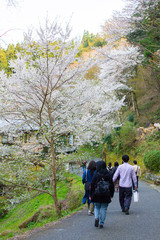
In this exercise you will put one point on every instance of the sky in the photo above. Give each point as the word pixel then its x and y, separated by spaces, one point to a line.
pixel 83 15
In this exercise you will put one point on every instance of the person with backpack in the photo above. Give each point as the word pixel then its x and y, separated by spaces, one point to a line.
pixel 127 174
pixel 86 180
pixel 102 190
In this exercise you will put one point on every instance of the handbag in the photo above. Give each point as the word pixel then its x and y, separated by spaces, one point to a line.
pixel 87 184
pixel 136 196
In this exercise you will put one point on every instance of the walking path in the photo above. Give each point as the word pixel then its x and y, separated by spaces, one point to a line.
pixel 143 223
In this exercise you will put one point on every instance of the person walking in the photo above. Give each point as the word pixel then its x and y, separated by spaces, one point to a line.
pixel 102 179
pixel 137 170
pixel 83 165
pixel 109 168
pixel 116 183
pixel 86 180
pixel 126 173
pixel 116 164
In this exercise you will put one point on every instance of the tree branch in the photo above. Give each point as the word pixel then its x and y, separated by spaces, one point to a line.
pixel 29 187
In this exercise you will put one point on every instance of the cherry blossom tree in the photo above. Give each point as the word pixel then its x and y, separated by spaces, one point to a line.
pixel 40 93
pixel 118 67
pixel 48 91
pixel 126 21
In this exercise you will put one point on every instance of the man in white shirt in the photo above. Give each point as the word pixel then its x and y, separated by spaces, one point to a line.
pixel 127 175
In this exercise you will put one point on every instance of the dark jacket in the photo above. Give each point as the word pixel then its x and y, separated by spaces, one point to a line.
pixel 89 176
pixel 114 169
pixel 101 172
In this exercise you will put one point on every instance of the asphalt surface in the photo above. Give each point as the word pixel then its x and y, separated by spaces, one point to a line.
pixel 143 223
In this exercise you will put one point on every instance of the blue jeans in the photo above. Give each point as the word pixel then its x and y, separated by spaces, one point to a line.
pixel 100 211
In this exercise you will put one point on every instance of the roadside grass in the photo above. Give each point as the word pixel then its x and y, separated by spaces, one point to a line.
pixel 43 203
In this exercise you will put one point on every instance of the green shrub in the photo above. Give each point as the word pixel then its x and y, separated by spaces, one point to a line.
pixel 125 139
pixel 75 199
pixel 131 118
pixel 3 207
pixel 117 130
pixel 108 140
pixel 152 160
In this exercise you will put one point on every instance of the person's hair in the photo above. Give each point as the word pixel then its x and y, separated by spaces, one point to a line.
pixel 135 162
pixel 116 164
pixel 92 166
pixel 100 167
pixel 109 164
pixel 125 158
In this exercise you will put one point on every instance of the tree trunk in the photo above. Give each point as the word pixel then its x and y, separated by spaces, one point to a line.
pixel 134 102
pixel 57 205
pixel 104 153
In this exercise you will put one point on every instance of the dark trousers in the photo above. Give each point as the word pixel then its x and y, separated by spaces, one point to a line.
pixel 133 183
pixel 125 197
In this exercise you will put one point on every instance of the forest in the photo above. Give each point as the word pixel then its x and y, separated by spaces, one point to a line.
pixel 64 101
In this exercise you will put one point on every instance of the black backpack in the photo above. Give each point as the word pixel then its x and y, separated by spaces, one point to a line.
pixel 102 188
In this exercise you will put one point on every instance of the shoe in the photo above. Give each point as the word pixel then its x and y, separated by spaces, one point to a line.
pixel 89 213
pixel 123 210
pixel 126 210
pixel 100 226
pixel 96 222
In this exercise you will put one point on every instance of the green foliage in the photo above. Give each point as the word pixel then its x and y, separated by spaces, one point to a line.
pixel 147 30
pixel 108 139
pixel 3 208
pixel 125 138
pixel 11 52
pixel 146 35
pixel 131 118
pixel 151 143
pixel 147 105
pixel 3 60
pixel 154 138
pixel 127 135
pixel 157 114
pixel 7 55
pixel 91 40
pixel 75 196
pixel 152 160
pixel 117 130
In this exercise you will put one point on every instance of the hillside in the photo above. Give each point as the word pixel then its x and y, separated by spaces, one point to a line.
pixel 40 210
pixel 138 135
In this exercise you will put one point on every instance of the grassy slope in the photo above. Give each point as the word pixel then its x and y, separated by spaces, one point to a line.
pixel 19 214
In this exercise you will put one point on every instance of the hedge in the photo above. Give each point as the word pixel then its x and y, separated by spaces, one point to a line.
pixel 152 160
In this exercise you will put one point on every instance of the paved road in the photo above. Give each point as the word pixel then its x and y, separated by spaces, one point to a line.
pixel 143 223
